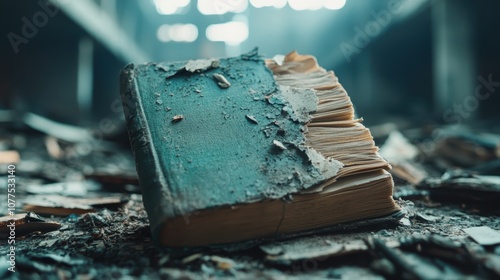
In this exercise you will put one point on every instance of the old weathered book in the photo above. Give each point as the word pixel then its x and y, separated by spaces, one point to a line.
pixel 242 148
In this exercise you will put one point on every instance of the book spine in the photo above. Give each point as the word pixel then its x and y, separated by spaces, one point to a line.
pixel 155 190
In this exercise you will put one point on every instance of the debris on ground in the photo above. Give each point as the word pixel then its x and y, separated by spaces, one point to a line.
pixel 90 222
pixel 23 224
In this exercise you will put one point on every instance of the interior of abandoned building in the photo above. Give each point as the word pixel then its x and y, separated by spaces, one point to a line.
pixel 422 74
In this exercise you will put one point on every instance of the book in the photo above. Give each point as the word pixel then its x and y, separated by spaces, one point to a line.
pixel 245 148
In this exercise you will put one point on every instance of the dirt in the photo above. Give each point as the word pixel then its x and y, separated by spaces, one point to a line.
pixel 116 243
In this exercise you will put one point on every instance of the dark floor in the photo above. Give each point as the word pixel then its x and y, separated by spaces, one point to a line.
pixel 114 242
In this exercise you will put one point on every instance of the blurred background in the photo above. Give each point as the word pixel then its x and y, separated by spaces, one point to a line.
pixel 424 75
pixel 408 60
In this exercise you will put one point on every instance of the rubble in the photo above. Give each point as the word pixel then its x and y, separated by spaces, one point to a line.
pixel 450 229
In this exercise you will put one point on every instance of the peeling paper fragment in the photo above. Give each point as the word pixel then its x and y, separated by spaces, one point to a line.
pixel 163 67
pixel 279 59
pixel 25 223
pixel 200 65
pixel 303 102
pixel 62 205
pixel 279 145
pixel 252 119
pixel 483 235
pixel 177 118
pixel 328 167
pixel 397 148
pixel 221 80
pixel 171 68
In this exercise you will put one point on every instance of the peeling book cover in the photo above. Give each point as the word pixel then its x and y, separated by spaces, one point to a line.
pixel 217 133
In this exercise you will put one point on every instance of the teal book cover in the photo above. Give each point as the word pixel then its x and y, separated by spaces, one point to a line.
pixel 216 133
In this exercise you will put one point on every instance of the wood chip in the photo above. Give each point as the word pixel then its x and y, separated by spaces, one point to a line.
pixel 8 157
pixel 191 258
pixel 25 223
pixel 63 206
pixel 53 148
pixel 223 263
